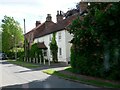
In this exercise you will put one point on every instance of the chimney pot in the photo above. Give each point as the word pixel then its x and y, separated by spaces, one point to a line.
pixel 57 12
pixel 37 23
pixel 59 16
pixel 48 18
pixel 60 12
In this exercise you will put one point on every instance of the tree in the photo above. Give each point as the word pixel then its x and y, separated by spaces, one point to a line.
pixel 11 34
pixel 96 41
pixel 54 48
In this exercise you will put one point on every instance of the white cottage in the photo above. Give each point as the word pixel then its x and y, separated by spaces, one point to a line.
pixel 42 33
pixel 43 36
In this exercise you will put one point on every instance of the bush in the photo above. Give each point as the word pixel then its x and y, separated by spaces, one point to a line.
pixel 11 55
pixel 97 41
pixel 35 52
pixel 20 55
pixel 72 58
pixel 93 65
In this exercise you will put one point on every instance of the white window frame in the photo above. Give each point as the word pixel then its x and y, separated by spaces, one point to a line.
pixel 60 51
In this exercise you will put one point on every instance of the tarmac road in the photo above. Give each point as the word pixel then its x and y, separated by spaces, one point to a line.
pixel 13 76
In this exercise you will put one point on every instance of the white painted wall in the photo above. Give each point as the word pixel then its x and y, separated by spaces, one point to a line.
pixel 62 43
pixel 68 45
pixel 46 40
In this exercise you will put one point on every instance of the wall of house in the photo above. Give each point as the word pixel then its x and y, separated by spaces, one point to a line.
pixel 46 40
pixel 68 37
pixel 62 43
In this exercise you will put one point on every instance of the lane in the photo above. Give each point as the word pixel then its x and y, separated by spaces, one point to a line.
pixel 17 76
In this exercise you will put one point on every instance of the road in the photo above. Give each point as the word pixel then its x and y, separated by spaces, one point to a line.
pixel 13 76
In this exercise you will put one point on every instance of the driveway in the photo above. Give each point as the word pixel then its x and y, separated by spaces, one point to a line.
pixel 13 76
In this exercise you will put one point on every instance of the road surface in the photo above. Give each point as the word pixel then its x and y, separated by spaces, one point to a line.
pixel 13 76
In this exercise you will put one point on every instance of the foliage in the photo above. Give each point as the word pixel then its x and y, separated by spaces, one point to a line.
pixel 34 49
pixel 35 52
pixel 54 48
pixel 72 58
pixel 11 34
pixel 96 41
pixel 20 53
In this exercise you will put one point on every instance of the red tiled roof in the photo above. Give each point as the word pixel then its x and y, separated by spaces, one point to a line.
pixel 41 29
pixel 34 29
pixel 56 27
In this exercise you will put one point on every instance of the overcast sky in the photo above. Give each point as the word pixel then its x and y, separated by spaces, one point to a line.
pixel 33 10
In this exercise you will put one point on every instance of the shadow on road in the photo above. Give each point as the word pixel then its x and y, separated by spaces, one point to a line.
pixel 45 81
pixel 4 62
pixel 43 67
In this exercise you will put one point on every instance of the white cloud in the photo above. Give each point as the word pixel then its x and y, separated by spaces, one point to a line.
pixel 33 10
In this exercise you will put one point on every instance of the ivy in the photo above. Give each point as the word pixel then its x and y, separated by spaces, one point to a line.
pixel 54 48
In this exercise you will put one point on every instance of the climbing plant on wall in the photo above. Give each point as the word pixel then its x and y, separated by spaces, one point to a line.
pixel 54 48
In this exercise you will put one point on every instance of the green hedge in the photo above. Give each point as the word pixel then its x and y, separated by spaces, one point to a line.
pixel 93 66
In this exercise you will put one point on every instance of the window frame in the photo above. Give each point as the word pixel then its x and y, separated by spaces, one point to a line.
pixel 60 51
pixel 59 36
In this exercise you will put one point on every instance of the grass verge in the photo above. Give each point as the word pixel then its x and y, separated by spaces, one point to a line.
pixel 82 80
pixel 24 64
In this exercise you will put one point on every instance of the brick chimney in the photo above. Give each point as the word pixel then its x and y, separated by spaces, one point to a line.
pixel 83 6
pixel 48 18
pixel 37 23
pixel 59 16
pixel 49 21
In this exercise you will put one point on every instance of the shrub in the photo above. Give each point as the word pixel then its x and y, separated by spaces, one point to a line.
pixel 54 48
pixel 97 41
pixel 35 52
pixel 72 58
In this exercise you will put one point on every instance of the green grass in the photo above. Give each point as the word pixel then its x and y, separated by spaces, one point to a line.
pixel 82 80
pixel 24 64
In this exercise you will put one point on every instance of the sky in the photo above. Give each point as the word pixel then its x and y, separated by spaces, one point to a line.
pixel 33 10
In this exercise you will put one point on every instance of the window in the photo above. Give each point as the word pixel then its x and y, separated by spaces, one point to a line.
pixel 60 51
pixel 59 35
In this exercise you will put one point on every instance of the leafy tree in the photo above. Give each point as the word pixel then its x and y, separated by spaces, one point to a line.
pixel 96 41
pixel 54 48
pixel 11 34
